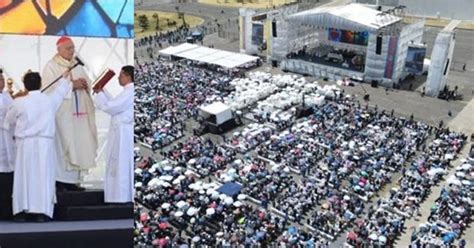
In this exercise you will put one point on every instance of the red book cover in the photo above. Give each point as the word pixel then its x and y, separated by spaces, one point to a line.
pixel 103 79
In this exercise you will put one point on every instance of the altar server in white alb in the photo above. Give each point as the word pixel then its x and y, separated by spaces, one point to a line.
pixel 7 152
pixel 32 116
pixel 6 136
pixel 118 185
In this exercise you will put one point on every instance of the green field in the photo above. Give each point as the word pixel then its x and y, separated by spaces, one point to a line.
pixel 163 19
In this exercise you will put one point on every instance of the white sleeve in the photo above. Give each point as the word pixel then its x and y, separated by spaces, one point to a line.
pixel 10 118
pixel 116 105
pixel 62 89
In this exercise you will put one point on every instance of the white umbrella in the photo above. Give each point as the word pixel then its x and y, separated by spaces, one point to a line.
pixel 192 211
pixel 202 192
pixel 228 200
pixel 176 181
pixel 346 198
pixel 154 182
pixel 178 169
pixel 215 195
pixel 222 196
pixel 188 173
pixel 167 178
pixel 373 236
pixel 435 171
pixel 212 185
pixel 182 177
pixel 197 187
pixel 226 178
pixel 466 166
pixel 237 204
pixel 168 168
pixel 138 185
pixel 181 204
pixel 460 174
pixel 219 234
pixel 210 211
pixel 166 184
pixel 454 181
pixel 382 240
pixel 165 205
pixel 192 161
pixel 138 171
pixel 196 239
pixel 178 214
pixel 209 191
pixel 449 156
pixel 465 182
pixel 241 197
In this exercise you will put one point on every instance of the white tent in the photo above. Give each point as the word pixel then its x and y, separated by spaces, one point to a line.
pixel 221 111
pixel 208 55
pixel 22 52
pixel 172 50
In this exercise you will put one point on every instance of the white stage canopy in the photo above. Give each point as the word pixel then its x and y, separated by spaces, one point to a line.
pixel 208 55
pixel 354 17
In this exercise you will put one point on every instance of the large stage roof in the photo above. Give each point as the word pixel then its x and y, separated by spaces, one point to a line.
pixel 353 17
pixel 208 55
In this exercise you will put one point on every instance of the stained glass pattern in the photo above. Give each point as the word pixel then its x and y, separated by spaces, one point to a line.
pixel 89 18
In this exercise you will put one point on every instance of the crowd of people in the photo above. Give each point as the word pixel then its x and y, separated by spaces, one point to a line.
pixel 318 172
pixel 177 208
pixel 167 94
pixel 161 39
pixel 450 213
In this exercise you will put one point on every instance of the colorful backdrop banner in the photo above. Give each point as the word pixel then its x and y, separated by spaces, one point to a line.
pixel 86 18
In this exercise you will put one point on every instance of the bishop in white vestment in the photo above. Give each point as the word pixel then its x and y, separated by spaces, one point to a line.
pixel 118 185
pixel 76 136
pixel 32 117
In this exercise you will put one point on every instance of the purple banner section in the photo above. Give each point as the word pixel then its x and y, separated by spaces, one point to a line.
pixel 392 51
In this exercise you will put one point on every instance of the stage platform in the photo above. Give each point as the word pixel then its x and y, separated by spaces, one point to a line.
pixel 71 234
pixel 81 219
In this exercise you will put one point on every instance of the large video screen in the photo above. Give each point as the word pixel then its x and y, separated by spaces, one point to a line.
pixel 415 58
pixel 86 18
pixel 350 37
pixel 257 34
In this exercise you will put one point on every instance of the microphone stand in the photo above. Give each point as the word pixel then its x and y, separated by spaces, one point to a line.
pixel 79 62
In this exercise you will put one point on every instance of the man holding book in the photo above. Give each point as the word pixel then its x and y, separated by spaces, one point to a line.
pixel 118 184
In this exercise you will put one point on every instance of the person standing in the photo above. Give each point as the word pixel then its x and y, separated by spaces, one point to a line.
pixel 118 185
pixel 76 136
pixel 32 117
pixel 7 152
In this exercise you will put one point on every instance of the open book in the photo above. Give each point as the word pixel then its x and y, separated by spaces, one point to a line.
pixel 103 79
